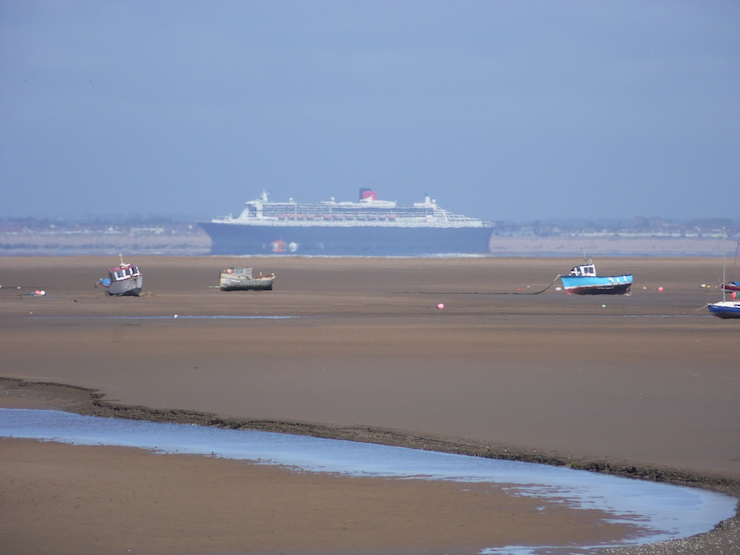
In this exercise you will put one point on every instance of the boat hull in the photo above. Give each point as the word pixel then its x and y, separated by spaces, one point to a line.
pixel 357 240
pixel 258 284
pixel 241 279
pixel 597 285
pixel 126 288
pixel 725 309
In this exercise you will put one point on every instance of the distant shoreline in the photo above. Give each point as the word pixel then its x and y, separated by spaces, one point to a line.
pixel 599 246
pixel 197 243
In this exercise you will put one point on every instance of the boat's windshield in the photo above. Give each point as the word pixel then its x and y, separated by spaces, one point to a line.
pixel 124 273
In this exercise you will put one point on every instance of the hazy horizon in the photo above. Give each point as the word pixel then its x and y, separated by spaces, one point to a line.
pixel 507 111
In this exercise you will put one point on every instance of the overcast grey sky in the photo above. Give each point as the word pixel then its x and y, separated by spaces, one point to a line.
pixel 506 110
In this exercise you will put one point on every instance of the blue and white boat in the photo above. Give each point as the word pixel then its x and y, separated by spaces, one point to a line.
pixel 583 280
pixel 725 309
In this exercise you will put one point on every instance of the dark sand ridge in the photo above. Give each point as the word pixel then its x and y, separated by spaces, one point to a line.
pixel 645 385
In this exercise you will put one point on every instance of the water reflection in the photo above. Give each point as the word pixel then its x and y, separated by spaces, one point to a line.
pixel 664 511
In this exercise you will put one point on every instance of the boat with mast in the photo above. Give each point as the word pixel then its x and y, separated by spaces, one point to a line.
pixel 732 285
pixel 725 309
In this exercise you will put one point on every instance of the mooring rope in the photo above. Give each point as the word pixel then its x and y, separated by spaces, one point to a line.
pixel 557 277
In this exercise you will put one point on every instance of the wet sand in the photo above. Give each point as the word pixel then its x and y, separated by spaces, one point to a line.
pixel 644 385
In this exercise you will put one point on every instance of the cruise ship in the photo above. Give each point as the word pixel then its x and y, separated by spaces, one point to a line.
pixel 367 227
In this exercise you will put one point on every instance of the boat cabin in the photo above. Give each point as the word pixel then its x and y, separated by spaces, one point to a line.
pixel 584 270
pixel 236 272
pixel 124 272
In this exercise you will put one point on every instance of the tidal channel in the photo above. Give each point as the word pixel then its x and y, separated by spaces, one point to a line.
pixel 662 511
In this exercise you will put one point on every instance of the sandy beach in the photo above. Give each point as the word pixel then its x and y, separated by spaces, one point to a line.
pixel 644 385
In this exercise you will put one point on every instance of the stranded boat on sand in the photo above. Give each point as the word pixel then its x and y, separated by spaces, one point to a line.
pixel 241 279
pixel 583 280
pixel 122 280
pixel 725 309
pixel 731 286
pixel 726 284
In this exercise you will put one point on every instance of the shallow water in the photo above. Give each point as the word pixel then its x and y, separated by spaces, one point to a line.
pixel 662 511
pixel 209 317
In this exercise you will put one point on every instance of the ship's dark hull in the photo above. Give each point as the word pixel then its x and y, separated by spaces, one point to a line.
pixel 237 239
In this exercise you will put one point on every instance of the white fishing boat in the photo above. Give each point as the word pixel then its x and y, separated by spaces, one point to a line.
pixel 122 280
pixel 241 279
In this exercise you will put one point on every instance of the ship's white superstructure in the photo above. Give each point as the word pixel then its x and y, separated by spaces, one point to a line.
pixel 368 211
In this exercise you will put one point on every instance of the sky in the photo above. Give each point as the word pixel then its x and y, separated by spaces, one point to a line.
pixel 504 110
